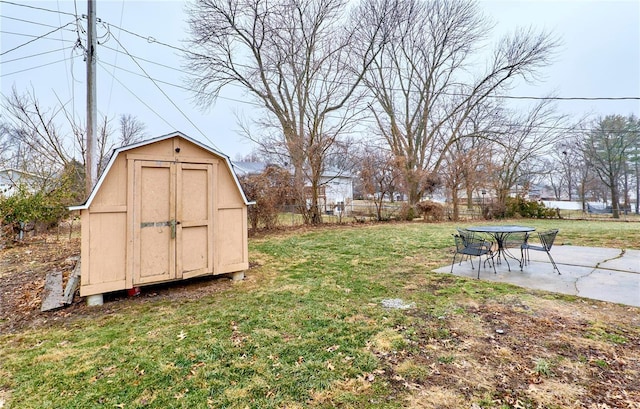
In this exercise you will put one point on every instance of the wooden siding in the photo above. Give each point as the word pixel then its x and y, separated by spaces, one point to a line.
pixel 196 218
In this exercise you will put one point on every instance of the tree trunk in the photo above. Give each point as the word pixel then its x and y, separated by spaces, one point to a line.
pixel 614 202
pixel 454 202
pixel 637 188
pixel 469 196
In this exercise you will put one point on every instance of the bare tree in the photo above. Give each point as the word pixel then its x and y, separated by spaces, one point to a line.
pixel 379 176
pixel 40 147
pixel 466 164
pixel 49 142
pixel 131 129
pixel 465 169
pixel 294 58
pixel 607 148
pixel 524 142
pixel 421 84
pixel 37 128
pixel 5 145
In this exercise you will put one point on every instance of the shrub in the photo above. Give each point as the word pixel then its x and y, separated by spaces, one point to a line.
pixel 407 212
pixel 519 207
pixel 493 210
pixel 25 208
pixel 431 210
pixel 271 190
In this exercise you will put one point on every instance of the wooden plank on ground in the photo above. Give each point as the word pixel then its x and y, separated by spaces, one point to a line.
pixel 72 284
pixel 52 293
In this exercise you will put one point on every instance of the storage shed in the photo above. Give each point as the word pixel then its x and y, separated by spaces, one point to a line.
pixel 164 209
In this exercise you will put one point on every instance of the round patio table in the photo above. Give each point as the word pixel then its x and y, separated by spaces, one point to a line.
pixel 500 233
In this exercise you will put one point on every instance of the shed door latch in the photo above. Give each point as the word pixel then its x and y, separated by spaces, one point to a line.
pixel 173 224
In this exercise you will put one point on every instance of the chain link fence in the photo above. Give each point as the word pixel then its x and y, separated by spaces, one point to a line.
pixel 361 211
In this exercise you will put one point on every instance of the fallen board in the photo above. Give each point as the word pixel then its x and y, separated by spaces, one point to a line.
pixel 72 284
pixel 52 296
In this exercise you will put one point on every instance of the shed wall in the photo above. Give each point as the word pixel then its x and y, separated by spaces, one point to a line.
pixel 107 225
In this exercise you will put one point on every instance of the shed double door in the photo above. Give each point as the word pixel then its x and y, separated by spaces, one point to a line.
pixel 173 221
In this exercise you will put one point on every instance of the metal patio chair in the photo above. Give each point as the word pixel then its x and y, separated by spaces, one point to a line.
pixel 470 245
pixel 546 242
pixel 516 241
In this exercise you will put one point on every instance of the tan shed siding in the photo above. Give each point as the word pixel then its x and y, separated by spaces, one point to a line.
pixel 113 191
pixel 159 149
pixel 107 249
pixel 232 240
pixel 189 150
pixel 228 194
pixel 203 196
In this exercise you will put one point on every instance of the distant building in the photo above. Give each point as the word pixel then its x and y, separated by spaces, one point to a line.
pixel 11 178
pixel 335 192
pixel 249 168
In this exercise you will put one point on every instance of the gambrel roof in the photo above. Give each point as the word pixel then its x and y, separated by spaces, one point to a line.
pixel 122 149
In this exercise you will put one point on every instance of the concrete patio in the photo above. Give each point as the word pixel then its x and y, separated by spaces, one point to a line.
pixel 604 274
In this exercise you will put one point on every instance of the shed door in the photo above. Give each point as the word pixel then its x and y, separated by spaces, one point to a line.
pixel 172 221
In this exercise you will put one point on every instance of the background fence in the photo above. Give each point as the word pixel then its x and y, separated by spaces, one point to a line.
pixel 361 211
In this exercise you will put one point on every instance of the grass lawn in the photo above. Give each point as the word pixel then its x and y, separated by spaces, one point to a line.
pixel 307 328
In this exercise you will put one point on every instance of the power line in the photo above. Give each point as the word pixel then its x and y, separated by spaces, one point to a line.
pixel 181 86
pixel 143 59
pixel 36 38
pixel 564 98
pixel 27 35
pixel 166 96
pixel 35 55
pixel 28 21
pixel 115 61
pixel 561 129
pixel 39 66
pixel 151 39
pixel 36 8
pixel 571 130
pixel 137 97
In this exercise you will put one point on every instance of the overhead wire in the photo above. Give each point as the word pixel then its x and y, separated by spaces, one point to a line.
pixel 115 61
pixel 368 120
pixel 36 38
pixel 151 40
pixel 143 59
pixel 36 8
pixel 136 96
pixel 28 21
pixel 165 95
pixel 38 66
pixel 62 40
pixel 182 87
pixel 35 55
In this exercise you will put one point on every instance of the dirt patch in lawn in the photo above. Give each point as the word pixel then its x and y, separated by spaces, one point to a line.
pixel 24 266
pixel 510 352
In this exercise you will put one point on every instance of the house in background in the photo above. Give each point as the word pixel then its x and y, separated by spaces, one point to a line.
pixel 335 191
pixel 11 178
pixel 243 168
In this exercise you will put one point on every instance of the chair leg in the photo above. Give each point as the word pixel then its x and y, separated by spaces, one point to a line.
pixel 493 263
pixel 453 261
pixel 555 267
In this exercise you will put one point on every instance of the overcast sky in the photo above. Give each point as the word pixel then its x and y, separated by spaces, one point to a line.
pixel 599 58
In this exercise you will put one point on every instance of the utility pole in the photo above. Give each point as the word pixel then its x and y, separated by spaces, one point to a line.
pixel 91 170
